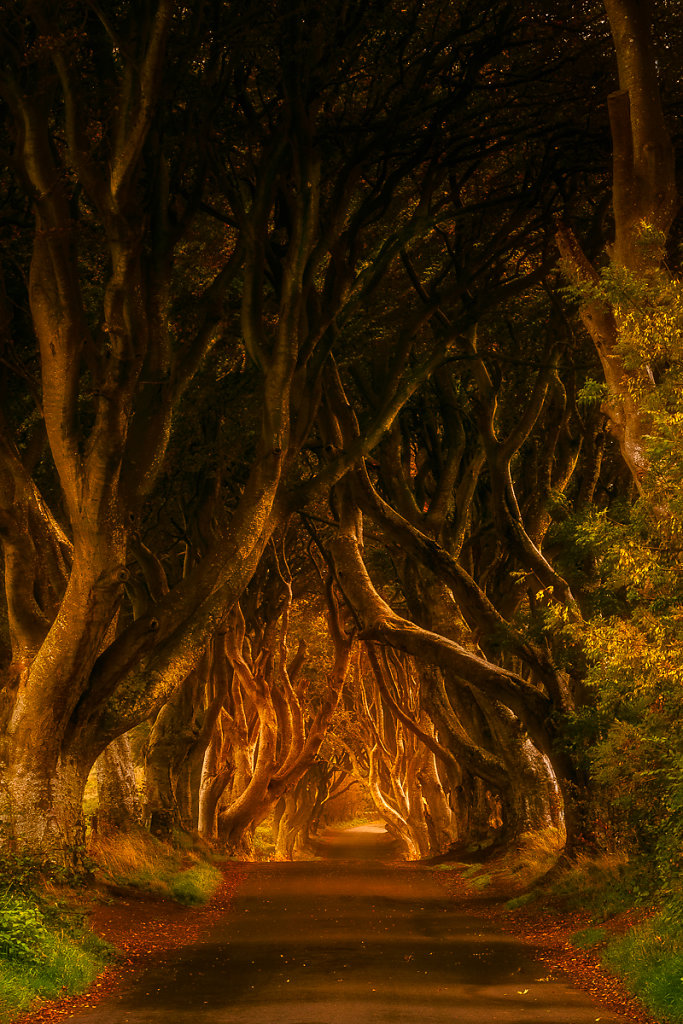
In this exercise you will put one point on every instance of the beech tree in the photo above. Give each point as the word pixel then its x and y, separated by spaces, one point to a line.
pixel 297 811
pixel 122 129
pixel 287 735
pixel 644 204
pixel 322 238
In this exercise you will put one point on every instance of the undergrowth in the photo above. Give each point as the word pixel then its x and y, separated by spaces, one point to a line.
pixel 516 869
pixel 648 957
pixel 603 886
pixel 46 949
pixel 138 860
pixel 264 842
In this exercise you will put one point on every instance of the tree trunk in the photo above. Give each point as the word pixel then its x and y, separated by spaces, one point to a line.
pixel 645 200
pixel 251 805
pixel 160 812
pixel 118 799
pixel 441 820
pixel 216 776
pixel 533 803
pixel 298 807
pixel 42 806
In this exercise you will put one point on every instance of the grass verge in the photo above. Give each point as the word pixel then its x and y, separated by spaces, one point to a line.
pixel 46 950
pixel 138 860
pixel 514 870
pixel 626 925
pixel 650 960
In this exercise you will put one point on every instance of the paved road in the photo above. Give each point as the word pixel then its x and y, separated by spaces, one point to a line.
pixel 348 942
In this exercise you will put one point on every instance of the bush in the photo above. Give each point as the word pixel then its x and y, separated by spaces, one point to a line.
pixel 60 965
pixel 44 953
pixel 603 885
pixel 22 929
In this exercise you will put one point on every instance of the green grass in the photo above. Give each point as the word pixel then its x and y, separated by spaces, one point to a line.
pixel 475 874
pixel 650 960
pixel 521 900
pixel 191 887
pixel 196 885
pixel 472 870
pixel 588 938
pixel 139 860
pixel 64 968
pixel 46 946
pixel 45 952
pixel 603 886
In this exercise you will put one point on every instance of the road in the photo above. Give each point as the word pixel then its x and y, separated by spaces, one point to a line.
pixel 349 940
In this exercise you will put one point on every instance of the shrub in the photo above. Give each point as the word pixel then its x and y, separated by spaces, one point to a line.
pixel 44 953
pixel 603 885
pixel 60 965
pixel 22 929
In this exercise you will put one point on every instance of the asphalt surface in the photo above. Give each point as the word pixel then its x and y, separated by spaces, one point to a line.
pixel 351 939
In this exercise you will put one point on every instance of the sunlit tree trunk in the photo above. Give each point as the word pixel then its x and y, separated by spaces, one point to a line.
pixel 118 798
pixel 296 811
pixel 217 771
pixel 441 821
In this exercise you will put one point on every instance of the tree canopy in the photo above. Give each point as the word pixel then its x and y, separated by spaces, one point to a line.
pixel 340 431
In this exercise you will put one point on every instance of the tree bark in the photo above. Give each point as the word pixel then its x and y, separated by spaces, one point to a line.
pixel 118 798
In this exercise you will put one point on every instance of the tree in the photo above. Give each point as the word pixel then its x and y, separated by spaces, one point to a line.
pixel 295 265
pixel 108 120
pixel 644 202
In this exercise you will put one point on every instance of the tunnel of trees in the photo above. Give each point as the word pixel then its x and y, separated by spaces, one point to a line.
pixel 342 403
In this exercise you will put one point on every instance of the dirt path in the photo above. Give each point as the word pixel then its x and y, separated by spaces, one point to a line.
pixel 348 942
